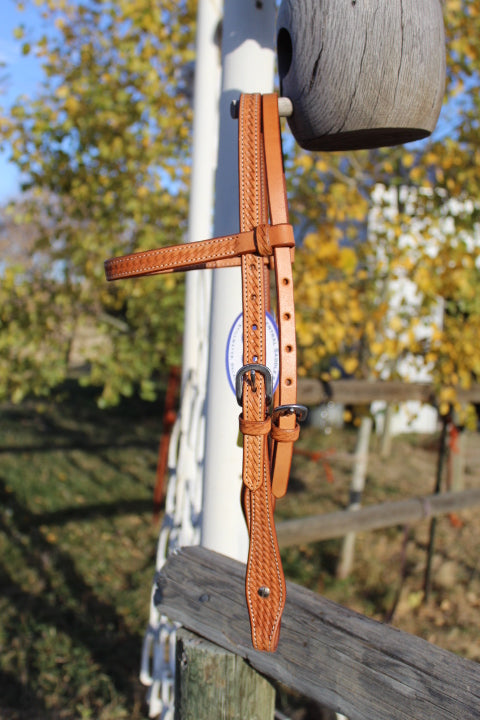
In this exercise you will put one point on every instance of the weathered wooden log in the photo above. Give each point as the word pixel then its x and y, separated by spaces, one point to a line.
pixel 312 391
pixel 345 661
pixel 361 73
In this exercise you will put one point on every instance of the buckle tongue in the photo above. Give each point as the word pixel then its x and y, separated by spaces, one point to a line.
pixel 253 368
pixel 300 411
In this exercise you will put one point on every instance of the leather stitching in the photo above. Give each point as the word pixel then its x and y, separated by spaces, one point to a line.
pixel 261 187
pixel 276 559
pixel 172 263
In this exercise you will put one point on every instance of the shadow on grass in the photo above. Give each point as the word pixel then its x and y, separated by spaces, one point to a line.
pixel 18 701
pixel 79 444
pixel 66 603
pixel 71 649
pixel 76 423
pixel 92 512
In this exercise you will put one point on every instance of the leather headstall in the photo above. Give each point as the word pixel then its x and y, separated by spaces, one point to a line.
pixel 265 242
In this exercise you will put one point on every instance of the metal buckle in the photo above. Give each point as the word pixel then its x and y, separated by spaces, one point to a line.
pixel 253 368
pixel 300 411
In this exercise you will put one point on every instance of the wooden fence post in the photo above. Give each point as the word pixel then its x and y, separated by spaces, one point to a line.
pixel 358 667
pixel 213 683
pixel 386 441
pixel 356 490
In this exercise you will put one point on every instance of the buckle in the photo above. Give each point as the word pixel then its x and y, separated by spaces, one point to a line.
pixel 300 411
pixel 253 368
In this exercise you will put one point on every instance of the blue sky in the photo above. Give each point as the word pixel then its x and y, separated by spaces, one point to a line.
pixel 20 75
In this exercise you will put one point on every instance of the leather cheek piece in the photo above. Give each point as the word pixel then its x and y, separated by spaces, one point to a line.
pixel 264 582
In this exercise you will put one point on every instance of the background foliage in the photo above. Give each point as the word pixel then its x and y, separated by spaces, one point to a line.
pixel 105 152
pixel 388 272
pixel 388 239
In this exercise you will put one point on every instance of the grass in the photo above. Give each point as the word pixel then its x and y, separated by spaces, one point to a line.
pixel 77 549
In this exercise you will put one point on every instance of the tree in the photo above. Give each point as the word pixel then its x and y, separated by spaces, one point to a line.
pixel 373 221
pixel 105 149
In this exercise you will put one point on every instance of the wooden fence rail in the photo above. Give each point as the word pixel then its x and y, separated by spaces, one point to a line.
pixel 345 661
pixel 364 392
pixel 387 514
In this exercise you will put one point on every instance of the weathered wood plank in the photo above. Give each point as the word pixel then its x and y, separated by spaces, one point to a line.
pixel 354 665
pixel 400 512
pixel 313 392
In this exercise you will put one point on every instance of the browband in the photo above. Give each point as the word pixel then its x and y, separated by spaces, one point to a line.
pixel 205 254
pixel 265 241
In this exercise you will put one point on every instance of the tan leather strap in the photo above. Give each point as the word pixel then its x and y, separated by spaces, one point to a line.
pixel 282 449
pixel 218 252
pixel 261 244
pixel 264 582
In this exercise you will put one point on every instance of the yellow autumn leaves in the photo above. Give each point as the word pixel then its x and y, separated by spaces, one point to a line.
pixel 104 149
pixel 328 308
pixel 388 268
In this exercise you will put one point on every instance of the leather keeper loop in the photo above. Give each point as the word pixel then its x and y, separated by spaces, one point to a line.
pixel 262 240
pixel 285 435
pixel 255 427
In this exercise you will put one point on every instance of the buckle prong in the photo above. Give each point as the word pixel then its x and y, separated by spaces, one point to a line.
pixel 253 368
pixel 300 411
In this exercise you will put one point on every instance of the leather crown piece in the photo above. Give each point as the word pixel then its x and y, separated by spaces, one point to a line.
pixel 265 242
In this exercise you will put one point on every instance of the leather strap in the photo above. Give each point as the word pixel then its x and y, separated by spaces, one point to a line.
pixel 262 243
pixel 282 449
pixel 264 583
pixel 218 252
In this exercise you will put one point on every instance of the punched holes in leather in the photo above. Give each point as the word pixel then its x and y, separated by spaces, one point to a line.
pixel 265 241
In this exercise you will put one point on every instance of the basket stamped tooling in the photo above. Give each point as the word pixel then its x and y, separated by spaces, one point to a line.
pixel 270 425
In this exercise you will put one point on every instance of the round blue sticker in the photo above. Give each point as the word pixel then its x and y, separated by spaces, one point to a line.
pixel 234 351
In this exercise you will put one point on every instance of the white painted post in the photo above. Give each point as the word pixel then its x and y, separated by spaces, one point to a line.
pixel 183 502
pixel 248 66
pixel 204 153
